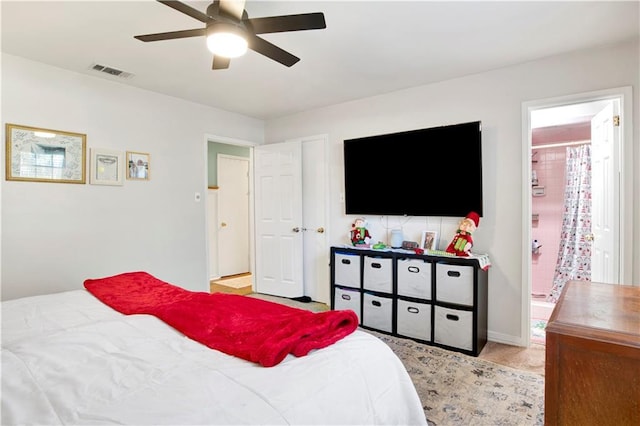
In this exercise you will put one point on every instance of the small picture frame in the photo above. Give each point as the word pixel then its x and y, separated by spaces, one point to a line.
pixel 44 155
pixel 107 167
pixel 138 165
pixel 429 240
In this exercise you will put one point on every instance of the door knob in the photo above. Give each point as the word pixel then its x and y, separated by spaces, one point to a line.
pixel 296 229
pixel 589 237
pixel 223 224
pixel 320 230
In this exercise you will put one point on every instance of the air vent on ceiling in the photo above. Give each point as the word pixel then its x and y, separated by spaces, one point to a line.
pixel 111 71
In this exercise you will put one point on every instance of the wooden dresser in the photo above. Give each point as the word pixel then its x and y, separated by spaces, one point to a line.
pixel 592 370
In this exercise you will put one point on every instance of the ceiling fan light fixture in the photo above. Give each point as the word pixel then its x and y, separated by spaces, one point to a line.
pixel 226 40
pixel 230 32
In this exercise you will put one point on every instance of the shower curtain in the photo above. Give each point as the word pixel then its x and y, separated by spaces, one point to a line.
pixel 574 254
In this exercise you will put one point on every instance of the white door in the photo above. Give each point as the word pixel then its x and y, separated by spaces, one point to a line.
pixel 315 216
pixel 278 217
pixel 233 215
pixel 605 218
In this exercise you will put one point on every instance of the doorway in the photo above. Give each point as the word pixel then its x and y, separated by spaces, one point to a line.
pixel 229 207
pixel 315 206
pixel 559 132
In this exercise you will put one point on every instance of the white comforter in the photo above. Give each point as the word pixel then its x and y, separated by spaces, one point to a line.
pixel 69 359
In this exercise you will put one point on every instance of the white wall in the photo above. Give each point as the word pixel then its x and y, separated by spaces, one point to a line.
pixel 54 236
pixel 496 99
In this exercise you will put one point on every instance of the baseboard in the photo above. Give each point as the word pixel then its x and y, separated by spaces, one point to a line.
pixel 506 339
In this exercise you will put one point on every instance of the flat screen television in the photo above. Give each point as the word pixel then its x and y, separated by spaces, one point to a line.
pixel 427 172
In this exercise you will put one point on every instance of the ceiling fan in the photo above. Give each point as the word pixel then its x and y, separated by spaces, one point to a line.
pixel 227 25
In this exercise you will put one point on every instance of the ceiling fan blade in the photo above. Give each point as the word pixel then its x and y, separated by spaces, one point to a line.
pixel 220 63
pixel 233 8
pixel 232 12
pixel 172 35
pixel 271 51
pixel 278 24
pixel 187 10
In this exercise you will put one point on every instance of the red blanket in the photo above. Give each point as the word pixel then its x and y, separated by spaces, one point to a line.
pixel 256 330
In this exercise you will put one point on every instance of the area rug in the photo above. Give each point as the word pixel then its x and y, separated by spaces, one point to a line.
pixel 456 389
pixel 310 306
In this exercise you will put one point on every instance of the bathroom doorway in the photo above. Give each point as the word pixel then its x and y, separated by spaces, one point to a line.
pixel 565 240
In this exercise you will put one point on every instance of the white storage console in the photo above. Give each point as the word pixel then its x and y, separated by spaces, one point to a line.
pixel 438 300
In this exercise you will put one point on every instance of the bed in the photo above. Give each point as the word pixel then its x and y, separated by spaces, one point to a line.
pixel 69 358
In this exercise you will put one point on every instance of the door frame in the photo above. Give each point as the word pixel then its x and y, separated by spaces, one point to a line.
pixel 624 94
pixel 211 224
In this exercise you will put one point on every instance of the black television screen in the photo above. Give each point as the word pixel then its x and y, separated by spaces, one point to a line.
pixel 427 172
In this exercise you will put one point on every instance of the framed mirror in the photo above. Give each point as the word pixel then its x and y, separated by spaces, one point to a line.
pixel 45 155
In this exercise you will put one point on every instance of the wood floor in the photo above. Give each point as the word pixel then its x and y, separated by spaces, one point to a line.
pixel 234 284
pixel 528 359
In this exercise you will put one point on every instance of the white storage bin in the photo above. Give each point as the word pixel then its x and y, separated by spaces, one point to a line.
pixel 453 327
pixel 414 320
pixel 414 278
pixel 378 274
pixel 347 269
pixel 454 284
pixel 377 312
pixel 347 298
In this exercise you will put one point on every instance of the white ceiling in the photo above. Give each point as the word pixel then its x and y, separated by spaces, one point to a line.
pixel 368 47
pixel 567 114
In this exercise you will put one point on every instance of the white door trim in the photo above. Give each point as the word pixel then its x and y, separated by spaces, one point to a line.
pixel 626 193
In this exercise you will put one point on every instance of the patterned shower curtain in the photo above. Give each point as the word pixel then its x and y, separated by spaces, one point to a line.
pixel 574 255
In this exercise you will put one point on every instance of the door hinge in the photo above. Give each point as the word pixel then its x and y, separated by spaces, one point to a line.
pixel 616 120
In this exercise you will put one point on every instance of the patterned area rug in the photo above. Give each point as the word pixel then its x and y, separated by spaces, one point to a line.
pixel 456 389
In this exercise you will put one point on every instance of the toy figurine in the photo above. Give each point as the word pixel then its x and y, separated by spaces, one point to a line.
pixel 462 241
pixel 359 233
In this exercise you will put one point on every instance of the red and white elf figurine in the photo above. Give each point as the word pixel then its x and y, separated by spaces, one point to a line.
pixel 462 241
pixel 359 234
